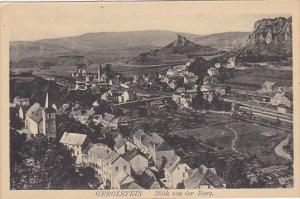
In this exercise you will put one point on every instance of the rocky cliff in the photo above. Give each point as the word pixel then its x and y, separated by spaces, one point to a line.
pixel 179 50
pixel 270 39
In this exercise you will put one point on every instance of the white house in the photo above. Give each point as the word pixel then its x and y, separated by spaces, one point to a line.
pixel 231 62
pixel 96 154
pixel 115 170
pixel 196 180
pixel 190 78
pixel 175 173
pixel 171 72
pixel 160 151
pixel 217 65
pixel 212 72
pixel 76 143
pixel 284 98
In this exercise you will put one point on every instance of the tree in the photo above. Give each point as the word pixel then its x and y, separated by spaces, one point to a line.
pixel 235 173
pixel 103 107
pixel 198 102
pixel 49 165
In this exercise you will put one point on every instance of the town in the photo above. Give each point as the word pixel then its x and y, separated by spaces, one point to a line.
pixel 127 153
pixel 153 109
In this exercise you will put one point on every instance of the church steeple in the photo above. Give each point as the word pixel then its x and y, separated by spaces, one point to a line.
pixel 47 101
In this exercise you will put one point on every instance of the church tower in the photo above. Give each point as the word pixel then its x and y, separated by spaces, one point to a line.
pixel 49 120
pixel 99 73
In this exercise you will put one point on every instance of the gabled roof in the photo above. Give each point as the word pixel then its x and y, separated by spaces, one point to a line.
pixel 73 138
pixel 214 179
pixel 146 179
pixel 100 150
pixel 195 179
pixel 172 163
pixel 120 142
pixel 156 139
pixel 129 155
pixel 131 185
pixel 111 157
pixel 108 117
pixel 35 113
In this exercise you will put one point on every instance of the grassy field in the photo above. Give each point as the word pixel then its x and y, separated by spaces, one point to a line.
pixel 256 76
pixel 252 139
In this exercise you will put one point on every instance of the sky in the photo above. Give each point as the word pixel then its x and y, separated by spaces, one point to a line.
pixel 42 21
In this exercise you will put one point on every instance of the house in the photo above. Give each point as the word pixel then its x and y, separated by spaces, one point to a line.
pixel 180 90
pixel 116 95
pixel 221 90
pixel 231 62
pixel 268 86
pixel 196 180
pixel 209 80
pixel 217 65
pixel 175 172
pixel 160 151
pixel 81 85
pixel 108 120
pixel 122 145
pixel 115 170
pixel 84 116
pixel 142 140
pixel 180 67
pixel 138 162
pixel 285 98
pixel 205 88
pixel 172 84
pixel 41 119
pixel 212 72
pixel 171 72
pixel 76 142
pixel 21 101
pixel 120 95
pixel 147 180
pixel 164 79
pixel 208 96
pixel 282 109
pixel 176 97
pixel 131 185
pixel 190 78
pixel 211 176
pixel 96 155
pixel 185 100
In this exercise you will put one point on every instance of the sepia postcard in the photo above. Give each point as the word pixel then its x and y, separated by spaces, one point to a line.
pixel 164 99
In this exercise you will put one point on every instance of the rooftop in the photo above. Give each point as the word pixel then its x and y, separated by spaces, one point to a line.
pixel 73 138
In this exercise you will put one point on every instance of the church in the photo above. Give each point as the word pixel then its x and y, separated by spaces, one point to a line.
pixel 41 119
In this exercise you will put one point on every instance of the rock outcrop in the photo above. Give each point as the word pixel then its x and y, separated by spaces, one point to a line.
pixel 179 50
pixel 271 39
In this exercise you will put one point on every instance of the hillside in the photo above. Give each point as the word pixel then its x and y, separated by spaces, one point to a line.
pixel 179 50
pixel 271 39
pixel 104 43
pixel 114 47
pixel 224 41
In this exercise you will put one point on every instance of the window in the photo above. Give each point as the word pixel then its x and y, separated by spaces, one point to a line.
pixel 183 174
pixel 125 167
pixel 116 169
